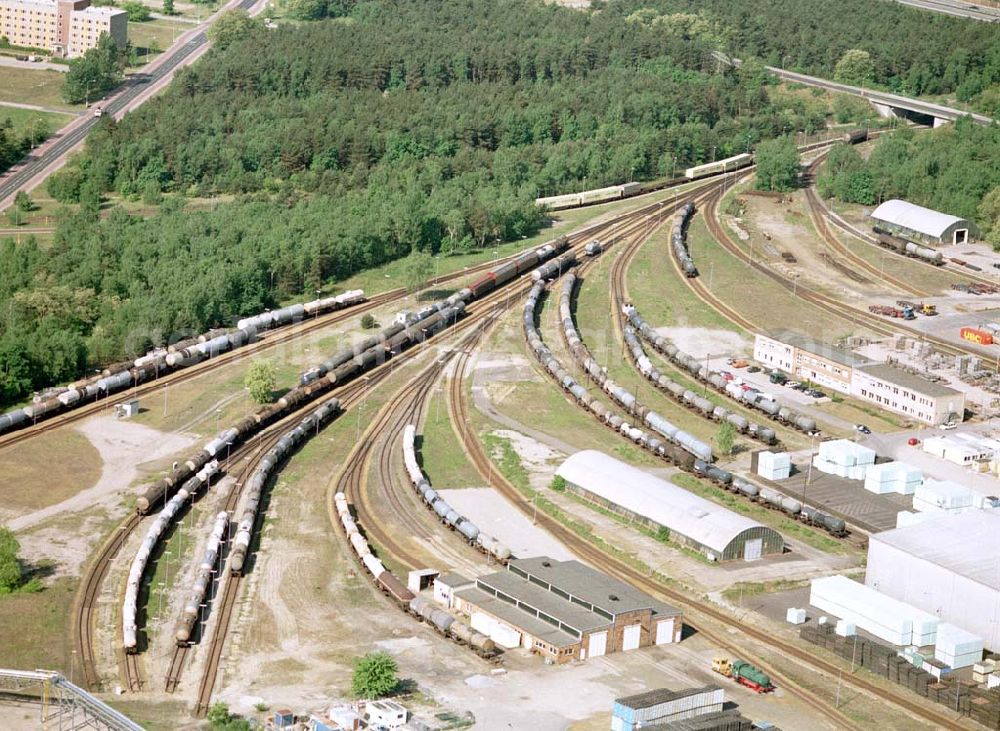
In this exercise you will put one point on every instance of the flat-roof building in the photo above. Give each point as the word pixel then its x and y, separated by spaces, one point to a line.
pixel 889 387
pixel 919 224
pixel 807 359
pixel 64 27
pixel 908 394
pixel 948 566
pixel 707 527
pixel 566 611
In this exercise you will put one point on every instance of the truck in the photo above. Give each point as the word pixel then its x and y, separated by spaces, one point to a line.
pixel 778 377
pixel 743 673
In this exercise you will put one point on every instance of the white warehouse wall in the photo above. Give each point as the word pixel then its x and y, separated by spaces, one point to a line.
pixel 955 598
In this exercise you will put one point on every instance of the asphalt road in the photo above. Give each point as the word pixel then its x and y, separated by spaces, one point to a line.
pixel 118 102
pixel 957 8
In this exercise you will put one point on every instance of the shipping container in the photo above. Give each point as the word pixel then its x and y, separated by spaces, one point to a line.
pixel 974 335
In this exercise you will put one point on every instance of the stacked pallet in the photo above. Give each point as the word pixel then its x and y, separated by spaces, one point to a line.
pixel 980 704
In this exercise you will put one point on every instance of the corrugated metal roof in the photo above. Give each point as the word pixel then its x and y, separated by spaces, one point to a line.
pixel 698 519
pixel 518 618
pixel 661 695
pixel 914 217
pixel 965 544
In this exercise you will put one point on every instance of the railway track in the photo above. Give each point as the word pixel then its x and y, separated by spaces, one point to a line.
pixel 712 622
pixel 825 302
pixel 840 251
pixel 270 339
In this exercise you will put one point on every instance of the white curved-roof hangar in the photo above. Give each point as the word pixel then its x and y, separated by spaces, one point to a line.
pixel 700 521
pixel 917 218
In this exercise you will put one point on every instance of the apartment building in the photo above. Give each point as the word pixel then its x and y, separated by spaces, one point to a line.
pixel 65 27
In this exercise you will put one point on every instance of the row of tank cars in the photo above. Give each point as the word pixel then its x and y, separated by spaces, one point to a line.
pixel 602 412
pixel 678 240
pixel 667 450
pixel 154 534
pixel 449 516
pixel 385 580
pixel 750 398
pixel 182 354
pixel 618 393
pixel 342 367
pixel 687 397
pixel 888 240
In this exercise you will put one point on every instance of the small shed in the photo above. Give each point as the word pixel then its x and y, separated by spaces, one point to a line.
pixel 921 225
pixel 386 713
pixel 446 585
pixel 127 409
pixel 419 579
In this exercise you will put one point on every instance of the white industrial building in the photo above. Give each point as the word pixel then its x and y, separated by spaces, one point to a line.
pixel 705 526
pixel 920 224
pixel 948 566
pixel 840 370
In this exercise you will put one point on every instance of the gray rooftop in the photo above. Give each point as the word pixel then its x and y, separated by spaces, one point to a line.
pixel 602 591
pixel 965 544
pixel 453 579
pixel 518 618
pixel 661 695
pixel 908 380
pixel 818 347
pixel 578 619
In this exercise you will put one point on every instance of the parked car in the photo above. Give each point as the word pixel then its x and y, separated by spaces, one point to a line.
pixel 816 393
pixel 913 441
pixel 753 369
pixel 862 428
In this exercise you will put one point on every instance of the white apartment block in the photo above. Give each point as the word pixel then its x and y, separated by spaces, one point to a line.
pixel 884 385
pixel 65 27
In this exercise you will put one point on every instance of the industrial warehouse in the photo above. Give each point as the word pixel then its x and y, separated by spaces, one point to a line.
pixel 709 528
pixel 948 566
pixel 920 224
pixel 565 611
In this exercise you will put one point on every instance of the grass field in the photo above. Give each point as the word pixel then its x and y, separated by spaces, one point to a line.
pixel 155 33
pixel 441 455
pixel 33 86
pixel 35 629
pixel 28 121
pixel 33 480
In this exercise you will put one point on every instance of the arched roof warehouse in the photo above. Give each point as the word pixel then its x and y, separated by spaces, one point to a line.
pixel 710 528
pixel 926 224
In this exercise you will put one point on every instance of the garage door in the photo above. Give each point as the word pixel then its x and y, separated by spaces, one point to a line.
pixel 483 623
pixel 631 639
pixel 752 549
pixel 665 632
pixel 598 644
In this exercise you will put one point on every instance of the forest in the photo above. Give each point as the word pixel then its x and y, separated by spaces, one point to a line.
pixel 913 51
pixel 351 141
pixel 954 169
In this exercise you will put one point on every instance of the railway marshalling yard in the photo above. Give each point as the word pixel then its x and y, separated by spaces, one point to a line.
pixel 306 609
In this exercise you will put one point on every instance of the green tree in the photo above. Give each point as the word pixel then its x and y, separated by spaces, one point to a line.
pixel 23 201
pixel 777 164
pixel 417 269
pixel 260 381
pixel 725 437
pixel 307 9
pixel 231 27
pixel 168 7
pixel 12 576
pixel 95 73
pixel 220 719
pixel 559 483
pixel 989 214
pixel 374 675
pixel 137 12
pixel 855 67
pixel 368 321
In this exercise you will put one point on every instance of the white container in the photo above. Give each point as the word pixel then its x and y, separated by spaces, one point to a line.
pixel 845 628
pixel 795 616
pixel 992 680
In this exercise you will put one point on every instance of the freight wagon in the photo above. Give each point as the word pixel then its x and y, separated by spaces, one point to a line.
pixel 975 335
pixel 736 162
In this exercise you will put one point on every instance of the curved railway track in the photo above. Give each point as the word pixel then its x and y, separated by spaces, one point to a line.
pixel 837 247
pixel 698 614
pixel 823 301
